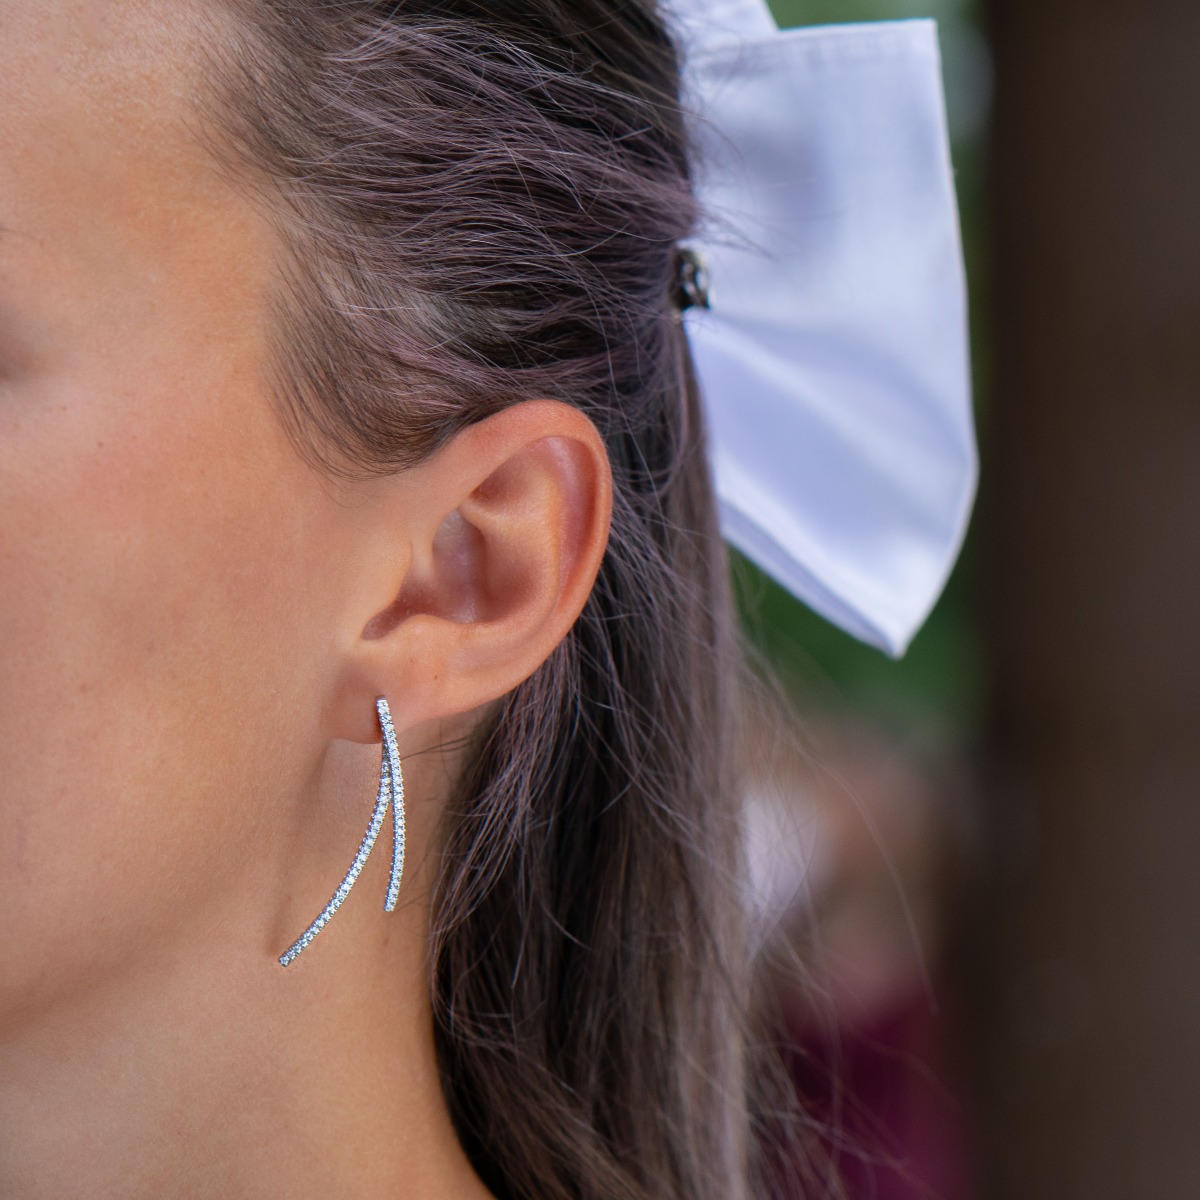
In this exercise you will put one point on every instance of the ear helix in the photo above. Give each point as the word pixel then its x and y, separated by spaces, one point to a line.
pixel 391 789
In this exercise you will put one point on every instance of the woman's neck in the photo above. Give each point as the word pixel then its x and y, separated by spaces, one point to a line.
pixel 209 1070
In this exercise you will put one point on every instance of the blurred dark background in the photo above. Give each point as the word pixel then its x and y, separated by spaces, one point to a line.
pixel 1019 797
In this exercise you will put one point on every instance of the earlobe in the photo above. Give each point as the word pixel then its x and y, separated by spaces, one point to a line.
pixel 507 524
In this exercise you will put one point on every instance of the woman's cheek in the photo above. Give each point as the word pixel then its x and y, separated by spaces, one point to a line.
pixel 147 637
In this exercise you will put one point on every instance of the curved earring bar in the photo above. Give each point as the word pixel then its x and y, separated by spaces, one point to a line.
pixel 391 760
pixel 391 788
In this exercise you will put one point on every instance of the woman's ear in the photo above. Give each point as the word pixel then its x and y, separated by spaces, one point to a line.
pixel 505 528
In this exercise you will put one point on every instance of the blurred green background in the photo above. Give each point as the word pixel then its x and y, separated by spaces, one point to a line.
pixel 1062 666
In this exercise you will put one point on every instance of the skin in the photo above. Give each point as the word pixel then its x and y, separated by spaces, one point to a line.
pixel 196 626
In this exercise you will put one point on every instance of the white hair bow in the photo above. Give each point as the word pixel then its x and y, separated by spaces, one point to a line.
pixel 833 357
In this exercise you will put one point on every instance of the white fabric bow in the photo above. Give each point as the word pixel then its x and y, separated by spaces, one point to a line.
pixel 833 358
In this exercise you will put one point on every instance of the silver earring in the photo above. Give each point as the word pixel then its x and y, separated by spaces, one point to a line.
pixel 391 789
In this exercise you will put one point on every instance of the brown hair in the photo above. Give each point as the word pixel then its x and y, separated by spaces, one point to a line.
pixel 483 201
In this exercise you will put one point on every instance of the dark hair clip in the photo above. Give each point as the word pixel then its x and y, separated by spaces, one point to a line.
pixel 691 280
